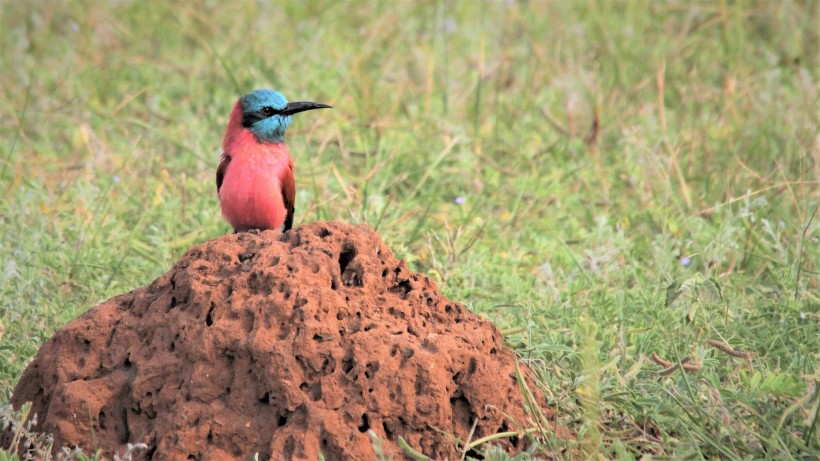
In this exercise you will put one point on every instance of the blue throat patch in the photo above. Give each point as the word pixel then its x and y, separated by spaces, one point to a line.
pixel 260 114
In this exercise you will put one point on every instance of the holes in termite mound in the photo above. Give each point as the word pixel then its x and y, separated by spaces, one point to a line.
pixel 290 447
pixel 202 268
pixel 351 273
pixel 505 428
pixel 388 431
pixel 295 239
pixel 284 331
pixel 320 338
pixel 283 419
pixel 209 320
pixel 260 282
pixel 371 369
pixel 328 366
pixel 364 426
pixel 346 256
pixel 403 288
pixel 420 386
pixel 292 238
pixel 429 346
pixel 123 431
pixel 472 367
pixel 102 420
pixel 472 454
pixel 324 232
pixel 356 322
pixel 462 411
pixel 284 288
pixel 329 448
pixel 407 353
pixel 248 319
pixel 314 391
pixel 303 364
pixel 348 363
pixel 227 292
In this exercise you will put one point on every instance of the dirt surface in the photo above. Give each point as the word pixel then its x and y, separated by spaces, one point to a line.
pixel 286 345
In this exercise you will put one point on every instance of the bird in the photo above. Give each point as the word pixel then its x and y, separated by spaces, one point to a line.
pixel 254 180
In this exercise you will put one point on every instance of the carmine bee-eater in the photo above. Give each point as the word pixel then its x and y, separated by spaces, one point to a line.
pixel 254 180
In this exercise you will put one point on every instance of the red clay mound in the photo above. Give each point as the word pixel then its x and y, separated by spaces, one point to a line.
pixel 283 345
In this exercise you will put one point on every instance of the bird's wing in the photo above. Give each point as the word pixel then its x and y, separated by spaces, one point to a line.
pixel 220 172
pixel 288 194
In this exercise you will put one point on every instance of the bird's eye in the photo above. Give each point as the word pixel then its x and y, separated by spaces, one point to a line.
pixel 268 111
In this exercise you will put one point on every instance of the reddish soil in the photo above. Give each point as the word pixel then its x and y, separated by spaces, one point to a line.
pixel 286 345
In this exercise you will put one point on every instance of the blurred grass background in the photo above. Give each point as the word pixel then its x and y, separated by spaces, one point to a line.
pixel 603 180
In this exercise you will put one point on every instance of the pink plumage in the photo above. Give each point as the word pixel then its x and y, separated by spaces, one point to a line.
pixel 254 180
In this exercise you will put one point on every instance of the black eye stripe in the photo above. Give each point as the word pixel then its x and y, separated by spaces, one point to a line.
pixel 267 111
pixel 249 118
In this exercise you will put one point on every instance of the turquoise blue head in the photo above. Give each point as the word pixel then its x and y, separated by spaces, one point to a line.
pixel 267 113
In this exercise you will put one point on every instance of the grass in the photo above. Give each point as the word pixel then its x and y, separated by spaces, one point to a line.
pixel 620 186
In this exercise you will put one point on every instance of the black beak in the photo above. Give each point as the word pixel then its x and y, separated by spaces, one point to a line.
pixel 301 106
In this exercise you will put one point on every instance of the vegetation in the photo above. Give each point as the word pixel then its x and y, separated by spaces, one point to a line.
pixel 628 189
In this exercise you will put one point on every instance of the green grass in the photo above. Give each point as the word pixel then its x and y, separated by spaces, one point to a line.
pixel 638 178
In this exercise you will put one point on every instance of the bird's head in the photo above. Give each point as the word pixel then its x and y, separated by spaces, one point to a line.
pixel 267 113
